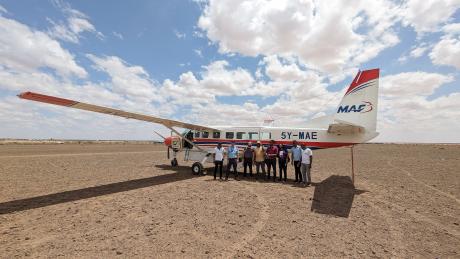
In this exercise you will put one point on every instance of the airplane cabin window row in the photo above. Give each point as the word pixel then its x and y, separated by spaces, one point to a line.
pixel 233 135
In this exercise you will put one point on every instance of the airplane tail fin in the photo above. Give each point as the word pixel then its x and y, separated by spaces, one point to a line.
pixel 358 107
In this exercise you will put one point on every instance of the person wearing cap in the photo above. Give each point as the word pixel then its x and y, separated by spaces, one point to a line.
pixel 232 160
pixel 272 153
pixel 248 157
pixel 307 159
pixel 259 154
pixel 218 159
pixel 296 157
pixel 283 160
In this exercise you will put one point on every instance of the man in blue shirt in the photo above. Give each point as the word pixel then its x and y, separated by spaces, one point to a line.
pixel 296 154
pixel 232 160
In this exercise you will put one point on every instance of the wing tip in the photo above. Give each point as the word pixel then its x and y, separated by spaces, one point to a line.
pixel 23 95
pixel 46 99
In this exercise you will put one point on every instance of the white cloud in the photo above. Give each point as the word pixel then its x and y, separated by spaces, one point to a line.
pixel 323 35
pixel 288 78
pixel 222 81
pixel 24 49
pixel 186 91
pixel 417 119
pixel 76 24
pixel 447 50
pixel 198 52
pixel 179 35
pixel 219 114
pixel 418 51
pixel 297 40
pixel 429 15
pixel 118 35
pixel 127 80
pixel 3 10
pixel 452 28
pixel 406 85
pixel 407 115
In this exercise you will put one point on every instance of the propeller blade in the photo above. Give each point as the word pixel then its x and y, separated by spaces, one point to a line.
pixel 168 152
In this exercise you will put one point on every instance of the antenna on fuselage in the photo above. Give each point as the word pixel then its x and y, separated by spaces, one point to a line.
pixel 269 122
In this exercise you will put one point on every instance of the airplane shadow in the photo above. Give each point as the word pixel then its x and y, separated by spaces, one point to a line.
pixel 334 196
pixel 181 173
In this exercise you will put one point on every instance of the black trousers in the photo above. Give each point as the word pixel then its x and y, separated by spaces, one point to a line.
pixel 271 163
pixel 247 163
pixel 216 165
pixel 298 176
pixel 283 168
pixel 232 162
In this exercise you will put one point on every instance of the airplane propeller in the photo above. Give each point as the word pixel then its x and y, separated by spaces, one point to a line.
pixel 161 136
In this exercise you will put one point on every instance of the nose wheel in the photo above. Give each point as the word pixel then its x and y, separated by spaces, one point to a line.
pixel 174 162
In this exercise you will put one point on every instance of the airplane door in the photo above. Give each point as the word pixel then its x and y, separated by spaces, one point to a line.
pixel 189 136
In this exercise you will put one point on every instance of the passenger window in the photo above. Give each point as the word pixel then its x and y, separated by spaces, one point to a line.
pixel 205 134
pixel 216 134
pixel 197 134
pixel 266 135
pixel 253 135
pixel 229 135
pixel 240 135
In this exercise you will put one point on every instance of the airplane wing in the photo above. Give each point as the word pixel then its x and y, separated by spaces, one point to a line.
pixel 94 108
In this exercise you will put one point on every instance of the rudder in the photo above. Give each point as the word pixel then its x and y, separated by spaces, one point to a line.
pixel 359 104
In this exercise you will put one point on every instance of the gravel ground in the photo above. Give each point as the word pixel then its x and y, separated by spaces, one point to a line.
pixel 108 200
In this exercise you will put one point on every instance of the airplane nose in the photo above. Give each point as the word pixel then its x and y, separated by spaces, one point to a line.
pixel 168 141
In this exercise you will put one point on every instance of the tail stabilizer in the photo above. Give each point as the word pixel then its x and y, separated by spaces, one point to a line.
pixel 358 107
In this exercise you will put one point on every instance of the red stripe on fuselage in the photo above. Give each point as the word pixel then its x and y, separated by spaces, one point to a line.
pixel 213 142
pixel 363 77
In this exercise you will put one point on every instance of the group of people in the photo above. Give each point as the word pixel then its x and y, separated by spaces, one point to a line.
pixel 265 160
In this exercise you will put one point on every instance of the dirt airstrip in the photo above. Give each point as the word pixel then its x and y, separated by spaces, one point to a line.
pixel 109 200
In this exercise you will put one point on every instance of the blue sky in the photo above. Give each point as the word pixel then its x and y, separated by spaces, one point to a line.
pixel 244 60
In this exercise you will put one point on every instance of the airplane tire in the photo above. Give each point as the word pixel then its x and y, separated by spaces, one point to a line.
pixel 174 162
pixel 197 168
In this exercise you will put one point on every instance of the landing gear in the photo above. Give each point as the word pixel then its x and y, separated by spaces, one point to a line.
pixel 174 162
pixel 197 168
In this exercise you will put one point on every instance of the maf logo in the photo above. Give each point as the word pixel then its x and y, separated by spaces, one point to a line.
pixel 361 108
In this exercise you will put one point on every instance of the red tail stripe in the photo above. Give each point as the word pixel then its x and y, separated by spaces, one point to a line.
pixel 365 76
pixel 46 99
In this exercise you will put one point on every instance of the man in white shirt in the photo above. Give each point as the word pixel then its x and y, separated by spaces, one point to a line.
pixel 218 159
pixel 307 159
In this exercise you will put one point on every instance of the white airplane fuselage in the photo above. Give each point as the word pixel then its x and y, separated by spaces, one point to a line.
pixel 314 138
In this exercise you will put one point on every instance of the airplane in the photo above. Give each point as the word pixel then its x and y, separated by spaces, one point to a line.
pixel 353 122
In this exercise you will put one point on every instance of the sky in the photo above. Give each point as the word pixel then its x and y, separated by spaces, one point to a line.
pixel 227 62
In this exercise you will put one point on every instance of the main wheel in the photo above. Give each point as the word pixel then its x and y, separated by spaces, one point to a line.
pixel 197 168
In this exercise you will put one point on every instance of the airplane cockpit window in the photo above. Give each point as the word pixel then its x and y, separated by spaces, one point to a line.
pixel 229 135
pixel 197 134
pixel 254 135
pixel 205 134
pixel 216 134
pixel 241 135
